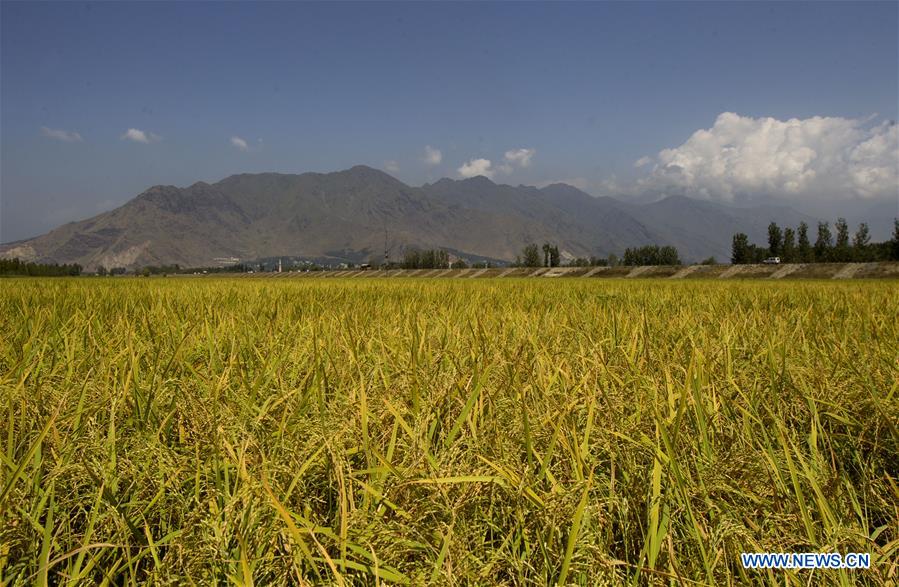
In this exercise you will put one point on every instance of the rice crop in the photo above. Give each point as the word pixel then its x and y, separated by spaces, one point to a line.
pixel 456 432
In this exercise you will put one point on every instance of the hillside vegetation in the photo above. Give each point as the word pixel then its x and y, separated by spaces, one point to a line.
pixel 452 432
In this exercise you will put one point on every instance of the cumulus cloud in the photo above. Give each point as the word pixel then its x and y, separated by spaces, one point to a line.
pixel 432 156
pixel 240 143
pixel 139 136
pixel 642 162
pixel 475 167
pixel 818 157
pixel 391 166
pixel 61 135
pixel 520 157
pixel 610 186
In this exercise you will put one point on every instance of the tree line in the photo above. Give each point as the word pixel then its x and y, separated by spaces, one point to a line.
pixel 593 261
pixel 645 255
pixel 17 267
pixel 531 256
pixel 428 259
pixel 651 255
pixel 795 246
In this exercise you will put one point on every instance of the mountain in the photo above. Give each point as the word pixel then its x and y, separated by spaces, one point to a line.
pixel 581 224
pixel 347 215
pixel 700 228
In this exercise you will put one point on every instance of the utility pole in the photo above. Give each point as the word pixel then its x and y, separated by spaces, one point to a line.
pixel 386 250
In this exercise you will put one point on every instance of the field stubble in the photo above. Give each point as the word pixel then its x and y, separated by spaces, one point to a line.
pixel 445 432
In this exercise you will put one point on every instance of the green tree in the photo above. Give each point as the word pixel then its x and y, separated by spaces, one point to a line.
pixel 841 250
pixel 860 242
pixel 788 251
pixel 17 267
pixel 411 259
pixel 775 240
pixel 554 257
pixel 651 255
pixel 803 246
pixel 894 242
pixel 739 249
pixel 531 256
pixel 756 254
pixel 824 243
pixel 668 256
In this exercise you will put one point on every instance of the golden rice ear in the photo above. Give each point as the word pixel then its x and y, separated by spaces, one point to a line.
pixel 476 429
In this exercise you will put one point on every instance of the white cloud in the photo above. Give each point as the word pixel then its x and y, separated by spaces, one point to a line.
pixel 505 168
pixel 61 135
pixel 642 162
pixel 392 166
pixel 432 156
pixel 520 157
pixel 240 143
pixel 610 186
pixel 139 136
pixel 818 157
pixel 476 167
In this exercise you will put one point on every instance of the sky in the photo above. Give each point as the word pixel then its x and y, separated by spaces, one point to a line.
pixel 734 102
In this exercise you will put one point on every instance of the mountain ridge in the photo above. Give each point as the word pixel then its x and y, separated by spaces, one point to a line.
pixel 346 215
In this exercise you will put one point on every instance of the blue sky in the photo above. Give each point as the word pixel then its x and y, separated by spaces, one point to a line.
pixel 587 89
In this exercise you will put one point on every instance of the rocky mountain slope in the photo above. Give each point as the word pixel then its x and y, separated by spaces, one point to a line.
pixel 346 215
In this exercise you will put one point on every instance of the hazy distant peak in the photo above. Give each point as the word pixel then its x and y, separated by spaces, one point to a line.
pixel 469 182
pixel 443 181
pixel 157 190
pixel 364 171
pixel 478 180
pixel 237 177
pixel 364 176
pixel 562 187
